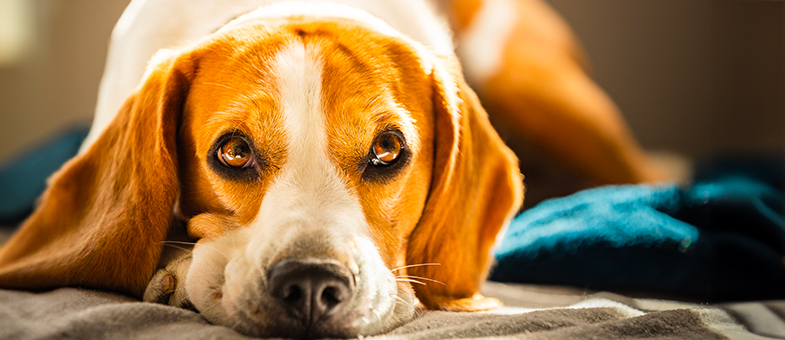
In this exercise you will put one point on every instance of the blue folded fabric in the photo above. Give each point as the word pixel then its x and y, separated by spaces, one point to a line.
pixel 23 179
pixel 718 240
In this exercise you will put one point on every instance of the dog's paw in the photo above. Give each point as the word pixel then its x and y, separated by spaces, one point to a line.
pixel 473 304
pixel 166 286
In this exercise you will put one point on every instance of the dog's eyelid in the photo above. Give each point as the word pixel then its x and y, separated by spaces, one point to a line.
pixel 392 129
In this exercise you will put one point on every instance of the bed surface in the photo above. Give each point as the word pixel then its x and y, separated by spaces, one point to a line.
pixel 533 312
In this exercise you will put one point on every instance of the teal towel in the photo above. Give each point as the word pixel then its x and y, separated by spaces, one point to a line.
pixel 715 241
pixel 23 179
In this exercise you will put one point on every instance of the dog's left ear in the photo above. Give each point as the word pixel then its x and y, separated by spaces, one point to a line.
pixel 101 221
pixel 476 189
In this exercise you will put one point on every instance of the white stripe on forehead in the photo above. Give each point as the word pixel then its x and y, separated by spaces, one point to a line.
pixel 308 193
pixel 299 80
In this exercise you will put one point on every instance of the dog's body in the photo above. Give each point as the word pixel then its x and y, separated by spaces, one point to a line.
pixel 324 158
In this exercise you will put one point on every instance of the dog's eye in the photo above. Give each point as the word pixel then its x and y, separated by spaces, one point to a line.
pixel 235 153
pixel 386 148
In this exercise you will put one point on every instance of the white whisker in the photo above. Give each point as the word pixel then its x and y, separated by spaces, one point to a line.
pixel 179 242
pixel 377 314
pixel 401 299
pixel 214 249
pixel 181 248
pixel 417 265
pixel 421 278
pixel 409 280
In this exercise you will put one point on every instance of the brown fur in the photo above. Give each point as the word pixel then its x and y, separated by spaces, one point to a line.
pixel 101 221
pixel 475 184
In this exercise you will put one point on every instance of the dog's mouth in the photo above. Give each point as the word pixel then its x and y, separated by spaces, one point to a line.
pixel 304 298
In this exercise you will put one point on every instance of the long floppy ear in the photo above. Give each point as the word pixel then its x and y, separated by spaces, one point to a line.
pixel 476 189
pixel 101 221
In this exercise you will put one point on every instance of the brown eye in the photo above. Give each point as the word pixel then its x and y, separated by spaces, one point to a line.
pixel 386 148
pixel 235 153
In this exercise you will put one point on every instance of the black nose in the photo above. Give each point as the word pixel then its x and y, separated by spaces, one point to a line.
pixel 310 289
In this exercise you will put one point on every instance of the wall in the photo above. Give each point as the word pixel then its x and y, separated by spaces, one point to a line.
pixel 702 77
pixel 53 86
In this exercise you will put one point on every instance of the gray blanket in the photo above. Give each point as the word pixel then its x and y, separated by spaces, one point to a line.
pixel 531 312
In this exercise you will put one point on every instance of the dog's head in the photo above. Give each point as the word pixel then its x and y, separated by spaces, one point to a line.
pixel 324 163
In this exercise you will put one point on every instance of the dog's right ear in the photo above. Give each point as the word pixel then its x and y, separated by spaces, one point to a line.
pixel 476 189
pixel 101 221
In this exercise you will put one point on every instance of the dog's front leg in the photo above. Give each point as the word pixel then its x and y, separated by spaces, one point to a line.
pixel 167 284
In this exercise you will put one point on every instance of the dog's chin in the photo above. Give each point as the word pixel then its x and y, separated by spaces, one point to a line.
pixel 230 292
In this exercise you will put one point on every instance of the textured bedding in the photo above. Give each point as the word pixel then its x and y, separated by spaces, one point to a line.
pixel 531 312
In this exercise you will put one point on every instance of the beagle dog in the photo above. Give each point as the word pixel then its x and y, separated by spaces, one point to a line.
pixel 333 170
pixel 328 158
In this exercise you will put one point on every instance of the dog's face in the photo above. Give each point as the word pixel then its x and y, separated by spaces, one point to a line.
pixel 303 173
pixel 323 163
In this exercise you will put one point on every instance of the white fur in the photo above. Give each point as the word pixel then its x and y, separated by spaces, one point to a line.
pixel 307 197
pixel 482 45
pixel 149 25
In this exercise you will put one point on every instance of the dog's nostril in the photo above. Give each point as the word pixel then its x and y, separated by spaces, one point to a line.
pixel 294 294
pixel 329 297
pixel 309 289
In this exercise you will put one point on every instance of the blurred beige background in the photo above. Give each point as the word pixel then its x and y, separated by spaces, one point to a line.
pixel 700 77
